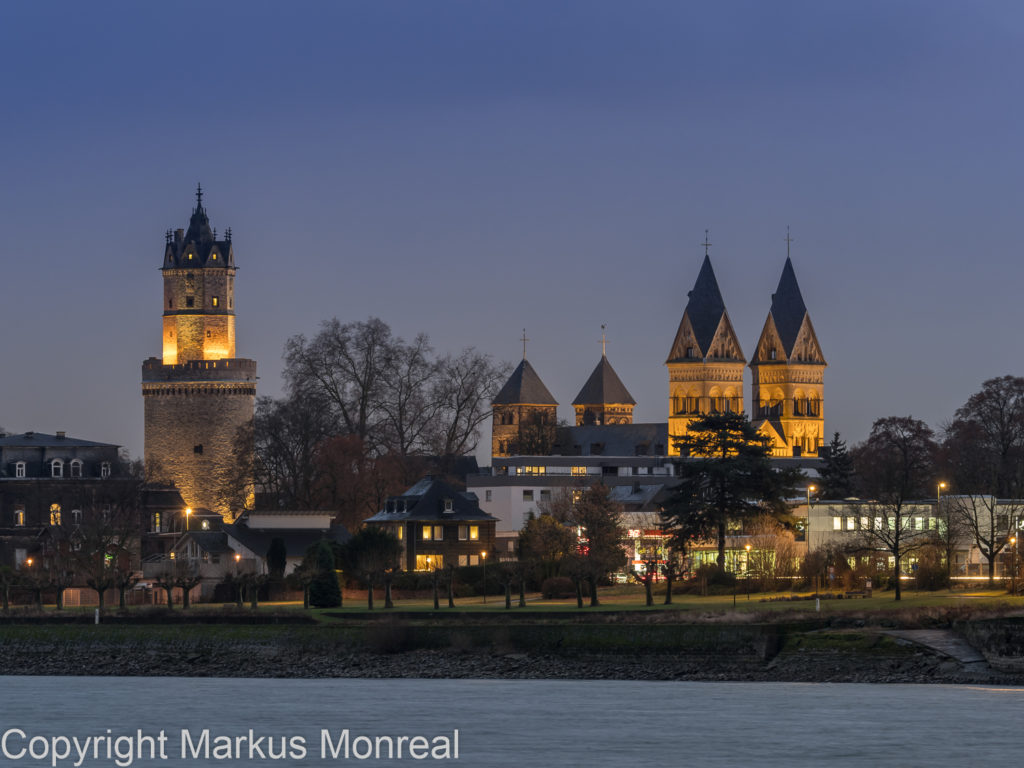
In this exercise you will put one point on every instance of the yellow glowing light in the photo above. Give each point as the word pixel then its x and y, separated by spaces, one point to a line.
pixel 748 547
pixel 484 554
pixel 942 485
pixel 237 557
pixel 812 488
pixel 28 562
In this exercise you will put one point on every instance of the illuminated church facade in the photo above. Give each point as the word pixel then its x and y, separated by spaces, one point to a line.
pixel 706 367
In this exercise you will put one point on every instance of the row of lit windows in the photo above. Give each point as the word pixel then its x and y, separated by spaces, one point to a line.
pixel 190 302
pixel 853 523
pixel 57 468
pixel 436 533
pixel 56 516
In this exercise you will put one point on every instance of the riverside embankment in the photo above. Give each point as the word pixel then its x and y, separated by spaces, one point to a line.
pixel 801 648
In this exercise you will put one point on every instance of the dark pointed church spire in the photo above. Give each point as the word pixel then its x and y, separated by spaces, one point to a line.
pixel 788 308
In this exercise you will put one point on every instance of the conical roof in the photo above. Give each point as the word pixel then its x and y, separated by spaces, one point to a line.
pixel 788 308
pixel 603 386
pixel 524 387
pixel 705 306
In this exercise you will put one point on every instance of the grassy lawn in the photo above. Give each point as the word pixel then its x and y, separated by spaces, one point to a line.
pixel 631 598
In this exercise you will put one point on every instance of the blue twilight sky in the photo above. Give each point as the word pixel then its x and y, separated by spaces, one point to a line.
pixel 471 168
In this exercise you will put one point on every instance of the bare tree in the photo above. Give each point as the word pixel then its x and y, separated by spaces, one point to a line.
pixel 772 550
pixel 465 385
pixel 896 465
pixel 983 451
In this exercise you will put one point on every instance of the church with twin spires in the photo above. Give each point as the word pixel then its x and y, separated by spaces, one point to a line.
pixel 705 371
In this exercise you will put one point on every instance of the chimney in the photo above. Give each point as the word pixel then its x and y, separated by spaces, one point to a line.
pixel 61 435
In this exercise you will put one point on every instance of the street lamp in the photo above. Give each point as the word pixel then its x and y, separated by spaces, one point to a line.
pixel 483 560
pixel 1013 566
pixel 748 571
pixel 807 528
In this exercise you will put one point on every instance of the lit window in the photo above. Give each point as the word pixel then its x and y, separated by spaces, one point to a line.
pixel 55 514
pixel 474 559
pixel 19 517
pixel 76 467
pixel 579 470
pixel 438 533
pixel 428 532
pixel 190 257
pixel 155 527
pixel 400 532
pixel 429 562
pixel 216 301
pixel 214 257
pixel 463 559
pixel 205 525
pixel 56 468
pixel 837 523
pixel 474 533
pixel 851 523
pixel 19 469
pixel 105 470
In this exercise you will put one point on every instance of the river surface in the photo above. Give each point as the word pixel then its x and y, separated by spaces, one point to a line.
pixel 506 723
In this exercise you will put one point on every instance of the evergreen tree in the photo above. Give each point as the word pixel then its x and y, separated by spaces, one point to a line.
pixel 726 477
pixel 837 480
pixel 277 558
pixel 324 591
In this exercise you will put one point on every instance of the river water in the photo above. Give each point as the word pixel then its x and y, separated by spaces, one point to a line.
pixel 506 723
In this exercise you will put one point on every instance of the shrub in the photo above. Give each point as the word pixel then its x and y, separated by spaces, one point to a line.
pixel 557 587
pixel 324 591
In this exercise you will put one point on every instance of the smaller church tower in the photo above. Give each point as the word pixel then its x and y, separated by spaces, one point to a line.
pixel 705 364
pixel 524 414
pixel 788 371
pixel 604 399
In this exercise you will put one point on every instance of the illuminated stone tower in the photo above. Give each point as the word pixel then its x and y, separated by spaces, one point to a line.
pixel 199 394
pixel 604 399
pixel 789 372
pixel 524 414
pixel 705 365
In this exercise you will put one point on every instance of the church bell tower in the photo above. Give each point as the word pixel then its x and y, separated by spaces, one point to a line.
pixel 198 394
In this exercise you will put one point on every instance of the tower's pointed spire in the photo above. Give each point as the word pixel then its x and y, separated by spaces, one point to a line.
pixel 199 225
pixel 788 308
pixel 705 305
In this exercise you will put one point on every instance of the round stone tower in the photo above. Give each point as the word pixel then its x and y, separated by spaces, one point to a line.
pixel 198 395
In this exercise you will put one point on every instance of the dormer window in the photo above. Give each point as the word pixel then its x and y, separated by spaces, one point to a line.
pixel 190 257
pixel 76 467
pixel 19 469
pixel 56 468
pixel 771 353
pixel 214 257
pixel 105 470
pixel 448 506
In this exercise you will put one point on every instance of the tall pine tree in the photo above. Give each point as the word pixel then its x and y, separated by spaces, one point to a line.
pixel 837 480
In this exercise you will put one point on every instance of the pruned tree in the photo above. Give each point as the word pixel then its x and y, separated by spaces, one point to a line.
pixel 370 554
pixel 727 478
pixel 896 465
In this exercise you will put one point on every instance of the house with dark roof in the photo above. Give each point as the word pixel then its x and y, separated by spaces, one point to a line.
pixel 438 525
pixel 217 550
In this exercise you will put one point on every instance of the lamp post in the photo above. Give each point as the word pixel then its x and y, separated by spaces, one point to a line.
pixel 748 571
pixel 939 486
pixel 483 560
pixel 1013 566
pixel 807 528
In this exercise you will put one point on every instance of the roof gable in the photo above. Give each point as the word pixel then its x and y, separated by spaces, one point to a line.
pixel 702 318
